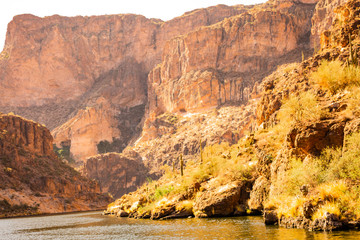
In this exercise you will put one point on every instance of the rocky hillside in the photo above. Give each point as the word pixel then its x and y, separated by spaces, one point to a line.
pixel 299 165
pixel 32 178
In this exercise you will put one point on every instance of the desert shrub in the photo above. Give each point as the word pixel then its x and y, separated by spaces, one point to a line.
pixel 301 108
pixel 63 153
pixel 329 155
pixel 162 191
pixel 353 101
pixel 104 146
pixel 347 165
pixel 349 203
pixel 335 76
pixel 301 173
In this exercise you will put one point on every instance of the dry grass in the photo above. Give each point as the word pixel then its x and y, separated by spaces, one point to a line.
pixel 302 108
pixel 335 76
pixel 329 207
pixel 185 206
pixel 332 191
pixel 286 206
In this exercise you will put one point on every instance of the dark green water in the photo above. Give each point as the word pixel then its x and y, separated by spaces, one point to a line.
pixel 95 226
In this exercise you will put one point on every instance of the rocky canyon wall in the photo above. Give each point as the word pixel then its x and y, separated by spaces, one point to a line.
pixel 98 81
pixel 53 67
pixel 33 180
pixel 323 18
pixel 221 63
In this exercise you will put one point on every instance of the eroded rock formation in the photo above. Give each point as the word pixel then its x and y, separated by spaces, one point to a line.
pixel 33 180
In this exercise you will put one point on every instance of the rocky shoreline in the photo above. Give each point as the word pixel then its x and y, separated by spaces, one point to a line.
pixel 329 222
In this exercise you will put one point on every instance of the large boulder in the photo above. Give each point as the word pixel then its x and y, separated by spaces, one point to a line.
pixel 314 137
pixel 222 200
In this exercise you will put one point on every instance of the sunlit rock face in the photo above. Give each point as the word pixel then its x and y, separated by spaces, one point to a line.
pixel 323 18
pixel 52 69
pixel 221 63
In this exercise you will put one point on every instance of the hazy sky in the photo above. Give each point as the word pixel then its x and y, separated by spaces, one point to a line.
pixel 163 9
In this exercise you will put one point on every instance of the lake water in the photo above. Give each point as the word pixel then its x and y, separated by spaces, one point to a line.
pixel 93 225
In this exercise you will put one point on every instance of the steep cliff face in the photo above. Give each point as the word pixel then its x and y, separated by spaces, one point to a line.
pixel 220 64
pixel 65 57
pixel 33 180
pixel 71 63
pixel 323 18
pixel 84 131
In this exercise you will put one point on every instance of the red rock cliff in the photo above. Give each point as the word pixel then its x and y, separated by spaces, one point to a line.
pixel 220 63
pixel 33 180
pixel 54 67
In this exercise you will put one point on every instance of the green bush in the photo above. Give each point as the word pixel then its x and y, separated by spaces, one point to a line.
pixel 162 191
pixel 301 173
pixel 105 146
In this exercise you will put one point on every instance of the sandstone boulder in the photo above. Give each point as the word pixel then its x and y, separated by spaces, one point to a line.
pixel 313 138
pixel 220 201
pixel 258 194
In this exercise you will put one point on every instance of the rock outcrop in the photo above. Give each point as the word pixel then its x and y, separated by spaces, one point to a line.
pixel 117 173
pixel 225 200
pixel 33 180
pixel 314 138
pixel 84 132
pixel 323 18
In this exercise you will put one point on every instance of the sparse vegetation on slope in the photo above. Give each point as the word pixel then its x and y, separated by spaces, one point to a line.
pixel 223 167
pixel 336 75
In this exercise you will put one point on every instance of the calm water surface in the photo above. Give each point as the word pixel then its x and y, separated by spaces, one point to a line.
pixel 95 226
